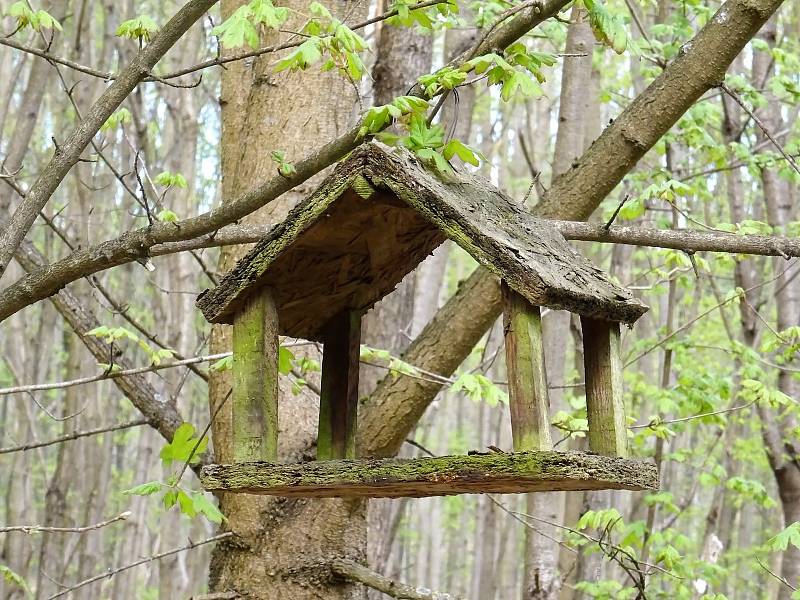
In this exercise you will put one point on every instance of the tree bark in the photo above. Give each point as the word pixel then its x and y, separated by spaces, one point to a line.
pixel 282 548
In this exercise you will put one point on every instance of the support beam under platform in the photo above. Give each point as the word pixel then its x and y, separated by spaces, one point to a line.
pixel 437 476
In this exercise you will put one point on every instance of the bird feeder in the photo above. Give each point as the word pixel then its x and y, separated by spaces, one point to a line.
pixel 314 275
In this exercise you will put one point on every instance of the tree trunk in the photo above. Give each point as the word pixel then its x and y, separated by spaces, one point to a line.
pixel 282 548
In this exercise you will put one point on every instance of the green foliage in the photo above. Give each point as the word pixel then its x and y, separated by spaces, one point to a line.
pixel 379 117
pixel 144 489
pixel 168 179
pixel 327 36
pixel 788 537
pixel 608 29
pixel 285 168
pixel 241 28
pixel 113 335
pixel 518 72
pixel 605 519
pixel 395 365
pixel 15 580
pixel 139 28
pixel 184 447
pixel 574 426
pixel 167 216
pixel 223 364
pixel 35 19
pixel 407 16
pixel 606 589
pixel 755 391
pixel 479 388
pixel 285 360
pixel 118 118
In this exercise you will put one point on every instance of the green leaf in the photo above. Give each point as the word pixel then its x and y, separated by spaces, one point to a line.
pixel 608 29
pixel 123 115
pixel 787 537
pixel 285 358
pixel 285 168
pixel 466 153
pixel 223 364
pixel 145 489
pixel 167 216
pixel 305 55
pixel 186 504
pixel 47 21
pixel 35 19
pixel 267 14
pixel 170 498
pixel 202 505
pixel 139 28
pixel 182 445
pixel 237 30
pixel 520 84
pixel 669 556
pixel 168 179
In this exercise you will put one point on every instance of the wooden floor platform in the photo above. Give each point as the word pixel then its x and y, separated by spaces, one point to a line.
pixel 495 473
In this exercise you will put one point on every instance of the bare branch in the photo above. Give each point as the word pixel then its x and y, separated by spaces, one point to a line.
pixel 69 153
pixel 111 572
pixel 73 436
pixel 135 245
pixel 738 99
pixel 43 529
pixel 57 385
pixel 350 569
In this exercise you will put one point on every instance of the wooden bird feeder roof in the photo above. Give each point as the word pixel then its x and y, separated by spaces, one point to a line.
pixel 376 217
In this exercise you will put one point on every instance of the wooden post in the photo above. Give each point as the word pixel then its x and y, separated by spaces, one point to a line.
pixel 604 404
pixel 338 400
pixel 255 379
pixel 527 380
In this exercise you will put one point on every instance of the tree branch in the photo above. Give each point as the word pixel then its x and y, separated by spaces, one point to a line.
pixel 42 529
pixel 350 569
pixel 689 240
pixel 136 244
pixel 700 66
pixel 57 385
pixel 68 153
pixel 111 572
pixel 73 436
pixel 163 416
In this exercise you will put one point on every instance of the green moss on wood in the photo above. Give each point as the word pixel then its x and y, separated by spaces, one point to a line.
pixel 532 257
pixel 255 380
pixel 605 407
pixel 436 476
pixel 527 379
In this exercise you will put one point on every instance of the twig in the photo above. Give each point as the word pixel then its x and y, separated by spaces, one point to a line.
pixel 778 577
pixel 736 98
pixel 350 569
pixel 73 436
pixel 221 61
pixel 610 222
pixel 42 529
pixel 37 387
pixel 654 423
pixel 111 572
pixel 705 313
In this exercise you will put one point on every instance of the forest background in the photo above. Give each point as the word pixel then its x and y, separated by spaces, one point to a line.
pixel 145 144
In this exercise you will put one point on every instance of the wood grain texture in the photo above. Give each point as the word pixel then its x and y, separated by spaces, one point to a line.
pixel 255 379
pixel 338 400
pixel 605 408
pixel 438 476
pixel 529 401
pixel 339 250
